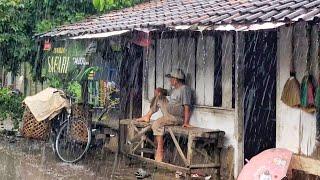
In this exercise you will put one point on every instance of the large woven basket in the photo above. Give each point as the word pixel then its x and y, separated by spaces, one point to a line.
pixel 78 130
pixel 34 129
pixel 79 123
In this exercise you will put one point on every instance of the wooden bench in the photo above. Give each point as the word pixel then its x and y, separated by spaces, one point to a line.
pixel 138 133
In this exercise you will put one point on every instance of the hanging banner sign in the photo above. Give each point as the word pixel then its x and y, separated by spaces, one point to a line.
pixel 67 57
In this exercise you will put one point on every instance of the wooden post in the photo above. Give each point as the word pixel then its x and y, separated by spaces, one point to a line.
pixel 151 69
pixel 287 126
pixel 205 70
pixel 226 65
pixel 190 148
pixel 167 66
pixel 187 59
pixel 145 74
pixel 308 165
pixel 160 50
pixel 131 105
pixel 239 99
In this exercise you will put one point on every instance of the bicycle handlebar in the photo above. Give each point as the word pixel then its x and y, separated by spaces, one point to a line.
pixel 65 94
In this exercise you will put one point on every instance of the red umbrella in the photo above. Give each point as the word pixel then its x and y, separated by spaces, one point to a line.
pixel 271 164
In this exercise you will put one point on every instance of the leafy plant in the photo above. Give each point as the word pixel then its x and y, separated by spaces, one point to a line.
pixel 74 88
pixel 11 106
pixel 21 20
pixel 107 5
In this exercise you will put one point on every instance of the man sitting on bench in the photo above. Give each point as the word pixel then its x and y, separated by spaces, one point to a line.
pixel 175 108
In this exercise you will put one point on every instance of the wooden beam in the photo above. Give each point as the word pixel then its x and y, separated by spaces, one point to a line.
pixel 209 75
pixel 309 165
pixel 190 146
pixel 175 53
pixel 150 142
pixel 239 99
pixel 151 69
pixel 205 70
pixel 200 71
pixel 178 147
pixel 307 121
pixel 190 59
pixel 161 164
pixel 140 133
pixel 195 131
pixel 160 59
pixel 288 127
pixel 187 59
pixel 226 65
pixel 137 146
pixel 145 74
pixel 210 165
pixel 146 150
pixel 315 52
pixel 167 60
pixel 135 128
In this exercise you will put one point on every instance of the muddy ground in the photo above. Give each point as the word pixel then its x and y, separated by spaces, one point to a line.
pixel 23 159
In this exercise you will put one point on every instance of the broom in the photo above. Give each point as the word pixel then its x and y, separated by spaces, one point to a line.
pixel 307 94
pixel 317 98
pixel 307 88
pixel 291 91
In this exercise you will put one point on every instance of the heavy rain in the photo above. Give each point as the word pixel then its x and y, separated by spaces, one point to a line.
pixel 159 89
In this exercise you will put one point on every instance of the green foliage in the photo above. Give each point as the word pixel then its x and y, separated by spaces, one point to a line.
pixel 71 81
pixel 15 45
pixel 74 88
pixel 11 106
pixel 107 5
pixel 20 20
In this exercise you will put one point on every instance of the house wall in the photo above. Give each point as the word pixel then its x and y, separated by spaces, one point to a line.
pixel 195 54
pixel 296 129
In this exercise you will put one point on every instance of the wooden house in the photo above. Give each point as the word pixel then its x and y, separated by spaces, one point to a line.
pixel 236 55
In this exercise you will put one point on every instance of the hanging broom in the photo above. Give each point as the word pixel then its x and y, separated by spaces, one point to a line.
pixel 291 91
pixel 307 88
pixel 317 98
pixel 307 94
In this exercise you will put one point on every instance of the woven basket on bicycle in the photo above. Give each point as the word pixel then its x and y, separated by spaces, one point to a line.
pixel 79 123
pixel 34 129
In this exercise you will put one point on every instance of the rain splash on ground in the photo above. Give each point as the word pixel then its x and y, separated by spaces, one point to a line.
pixel 22 159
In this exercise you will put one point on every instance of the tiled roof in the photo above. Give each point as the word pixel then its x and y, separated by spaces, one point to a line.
pixel 168 13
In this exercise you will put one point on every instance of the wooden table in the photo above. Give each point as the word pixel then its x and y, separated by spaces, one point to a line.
pixel 131 132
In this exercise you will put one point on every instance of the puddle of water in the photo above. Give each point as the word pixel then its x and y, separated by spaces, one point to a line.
pixel 28 160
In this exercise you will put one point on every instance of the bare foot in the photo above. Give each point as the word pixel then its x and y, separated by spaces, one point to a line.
pixel 187 126
pixel 143 119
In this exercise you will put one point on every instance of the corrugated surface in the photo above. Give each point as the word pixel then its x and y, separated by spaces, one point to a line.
pixel 166 13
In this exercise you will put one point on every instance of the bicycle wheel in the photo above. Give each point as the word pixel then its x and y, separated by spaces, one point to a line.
pixel 73 140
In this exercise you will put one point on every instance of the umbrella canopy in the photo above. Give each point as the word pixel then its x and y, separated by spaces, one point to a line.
pixel 271 164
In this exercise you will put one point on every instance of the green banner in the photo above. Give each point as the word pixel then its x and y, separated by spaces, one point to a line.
pixel 66 59
pixel 66 63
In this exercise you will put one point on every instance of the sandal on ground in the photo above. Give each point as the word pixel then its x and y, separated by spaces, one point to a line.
pixel 141 174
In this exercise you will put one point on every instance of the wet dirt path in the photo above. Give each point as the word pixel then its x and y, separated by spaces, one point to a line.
pixel 23 159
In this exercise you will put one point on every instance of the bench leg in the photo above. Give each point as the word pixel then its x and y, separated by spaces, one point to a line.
pixel 178 147
pixel 190 149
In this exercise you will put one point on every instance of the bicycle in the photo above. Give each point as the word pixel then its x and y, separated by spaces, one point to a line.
pixel 69 146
